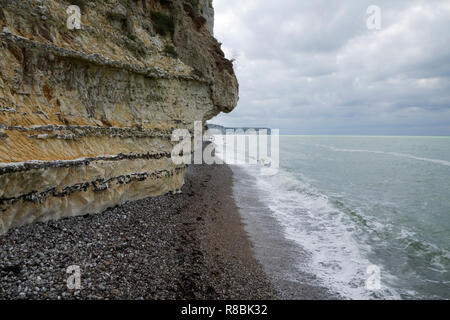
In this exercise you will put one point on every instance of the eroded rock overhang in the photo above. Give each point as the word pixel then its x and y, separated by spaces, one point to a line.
pixel 86 115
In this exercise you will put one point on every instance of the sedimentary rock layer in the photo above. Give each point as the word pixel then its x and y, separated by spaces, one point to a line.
pixel 86 115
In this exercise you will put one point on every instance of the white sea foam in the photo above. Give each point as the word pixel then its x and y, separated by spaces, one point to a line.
pixel 326 233
pixel 308 219
pixel 395 154
pixel 349 222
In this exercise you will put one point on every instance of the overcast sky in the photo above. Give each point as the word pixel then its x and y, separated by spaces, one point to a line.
pixel 313 66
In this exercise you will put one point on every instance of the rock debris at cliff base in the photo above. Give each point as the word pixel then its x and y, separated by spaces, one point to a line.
pixel 184 246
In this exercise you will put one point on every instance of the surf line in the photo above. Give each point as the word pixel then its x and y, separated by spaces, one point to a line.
pixel 395 154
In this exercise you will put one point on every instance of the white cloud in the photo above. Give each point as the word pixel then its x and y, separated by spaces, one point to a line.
pixel 314 67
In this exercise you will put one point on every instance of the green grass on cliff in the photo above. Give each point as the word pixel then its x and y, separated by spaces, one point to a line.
pixel 163 23
pixel 194 4
pixel 80 3
pixel 170 51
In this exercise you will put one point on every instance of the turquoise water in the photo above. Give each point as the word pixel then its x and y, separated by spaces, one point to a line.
pixel 352 203
pixel 359 201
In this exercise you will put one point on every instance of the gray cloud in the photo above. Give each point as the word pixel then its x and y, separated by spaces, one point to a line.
pixel 313 67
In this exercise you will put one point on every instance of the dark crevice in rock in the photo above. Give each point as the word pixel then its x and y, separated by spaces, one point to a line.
pixel 97 59
pixel 20 167
pixel 96 186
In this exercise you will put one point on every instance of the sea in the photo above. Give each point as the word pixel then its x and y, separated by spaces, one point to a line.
pixel 364 217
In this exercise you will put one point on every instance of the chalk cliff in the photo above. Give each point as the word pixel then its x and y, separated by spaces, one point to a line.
pixel 86 115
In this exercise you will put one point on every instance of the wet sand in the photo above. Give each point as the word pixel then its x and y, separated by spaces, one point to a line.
pixel 282 258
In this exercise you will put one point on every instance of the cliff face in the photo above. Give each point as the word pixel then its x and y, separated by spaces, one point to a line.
pixel 86 115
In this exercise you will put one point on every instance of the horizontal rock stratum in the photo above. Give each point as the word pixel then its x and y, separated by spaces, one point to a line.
pixel 86 115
